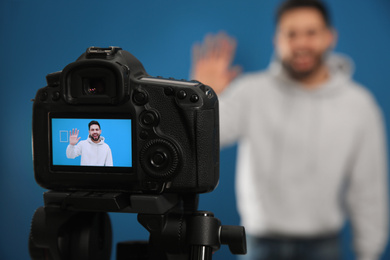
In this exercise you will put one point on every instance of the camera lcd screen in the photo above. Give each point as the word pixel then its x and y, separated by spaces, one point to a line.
pixel 85 142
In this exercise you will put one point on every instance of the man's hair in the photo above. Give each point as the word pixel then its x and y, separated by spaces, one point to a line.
pixel 93 122
pixel 292 4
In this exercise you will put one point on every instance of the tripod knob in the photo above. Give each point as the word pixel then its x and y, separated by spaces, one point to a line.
pixel 234 237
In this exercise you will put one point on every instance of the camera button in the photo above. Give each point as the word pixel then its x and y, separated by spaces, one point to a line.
pixel 181 94
pixel 194 98
pixel 158 159
pixel 55 96
pixel 152 186
pixel 144 135
pixel 43 96
pixel 149 118
pixel 168 91
pixel 140 98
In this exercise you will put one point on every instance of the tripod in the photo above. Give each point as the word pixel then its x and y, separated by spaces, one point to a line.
pixel 75 225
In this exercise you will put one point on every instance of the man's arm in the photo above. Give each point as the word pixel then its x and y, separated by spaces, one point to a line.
pixel 73 150
pixel 212 65
pixel 367 195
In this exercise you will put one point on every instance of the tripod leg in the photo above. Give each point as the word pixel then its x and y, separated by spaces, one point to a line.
pixel 90 237
pixel 66 235
pixel 201 253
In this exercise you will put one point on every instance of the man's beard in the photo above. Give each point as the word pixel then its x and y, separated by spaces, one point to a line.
pixel 97 138
pixel 301 74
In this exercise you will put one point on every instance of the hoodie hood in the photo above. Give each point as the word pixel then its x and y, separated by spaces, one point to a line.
pixel 341 69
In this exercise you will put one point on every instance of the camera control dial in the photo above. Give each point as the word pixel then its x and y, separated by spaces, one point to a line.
pixel 160 159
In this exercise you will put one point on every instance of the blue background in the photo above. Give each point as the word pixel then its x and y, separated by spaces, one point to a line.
pixel 116 133
pixel 42 36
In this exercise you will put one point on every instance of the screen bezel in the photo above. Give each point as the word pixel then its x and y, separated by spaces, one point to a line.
pixel 89 169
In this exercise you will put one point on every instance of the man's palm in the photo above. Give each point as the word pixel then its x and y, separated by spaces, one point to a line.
pixel 73 136
pixel 211 61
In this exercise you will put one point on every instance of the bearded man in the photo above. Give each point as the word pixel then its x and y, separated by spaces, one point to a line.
pixel 94 151
pixel 311 141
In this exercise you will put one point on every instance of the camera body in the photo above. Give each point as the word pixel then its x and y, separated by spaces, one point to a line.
pixel 166 130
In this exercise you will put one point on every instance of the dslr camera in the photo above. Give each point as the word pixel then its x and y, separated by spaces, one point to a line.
pixel 107 137
pixel 163 134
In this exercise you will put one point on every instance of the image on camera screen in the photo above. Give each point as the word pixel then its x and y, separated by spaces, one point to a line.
pixel 91 142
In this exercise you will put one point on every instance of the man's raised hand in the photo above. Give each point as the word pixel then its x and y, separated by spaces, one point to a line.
pixel 73 136
pixel 211 61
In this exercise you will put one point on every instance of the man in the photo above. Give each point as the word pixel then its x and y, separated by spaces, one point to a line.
pixel 94 151
pixel 311 142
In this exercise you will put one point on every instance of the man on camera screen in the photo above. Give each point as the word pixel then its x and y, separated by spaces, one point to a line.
pixel 94 151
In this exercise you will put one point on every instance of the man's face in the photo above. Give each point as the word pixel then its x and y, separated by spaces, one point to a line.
pixel 94 132
pixel 301 41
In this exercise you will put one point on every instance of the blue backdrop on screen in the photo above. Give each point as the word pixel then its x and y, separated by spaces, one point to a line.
pixel 116 133
pixel 43 36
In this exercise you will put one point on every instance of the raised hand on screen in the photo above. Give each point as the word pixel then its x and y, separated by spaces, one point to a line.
pixel 73 136
pixel 212 61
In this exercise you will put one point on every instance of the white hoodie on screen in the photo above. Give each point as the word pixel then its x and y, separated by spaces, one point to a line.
pixel 92 154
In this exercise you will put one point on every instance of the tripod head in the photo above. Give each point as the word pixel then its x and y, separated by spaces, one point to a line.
pixel 75 225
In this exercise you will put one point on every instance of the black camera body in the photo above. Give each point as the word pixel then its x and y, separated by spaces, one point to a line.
pixel 170 142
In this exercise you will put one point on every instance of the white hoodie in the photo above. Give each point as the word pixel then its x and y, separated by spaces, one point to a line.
pixel 92 154
pixel 308 158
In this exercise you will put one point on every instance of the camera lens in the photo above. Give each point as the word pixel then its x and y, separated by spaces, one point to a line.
pixel 94 86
